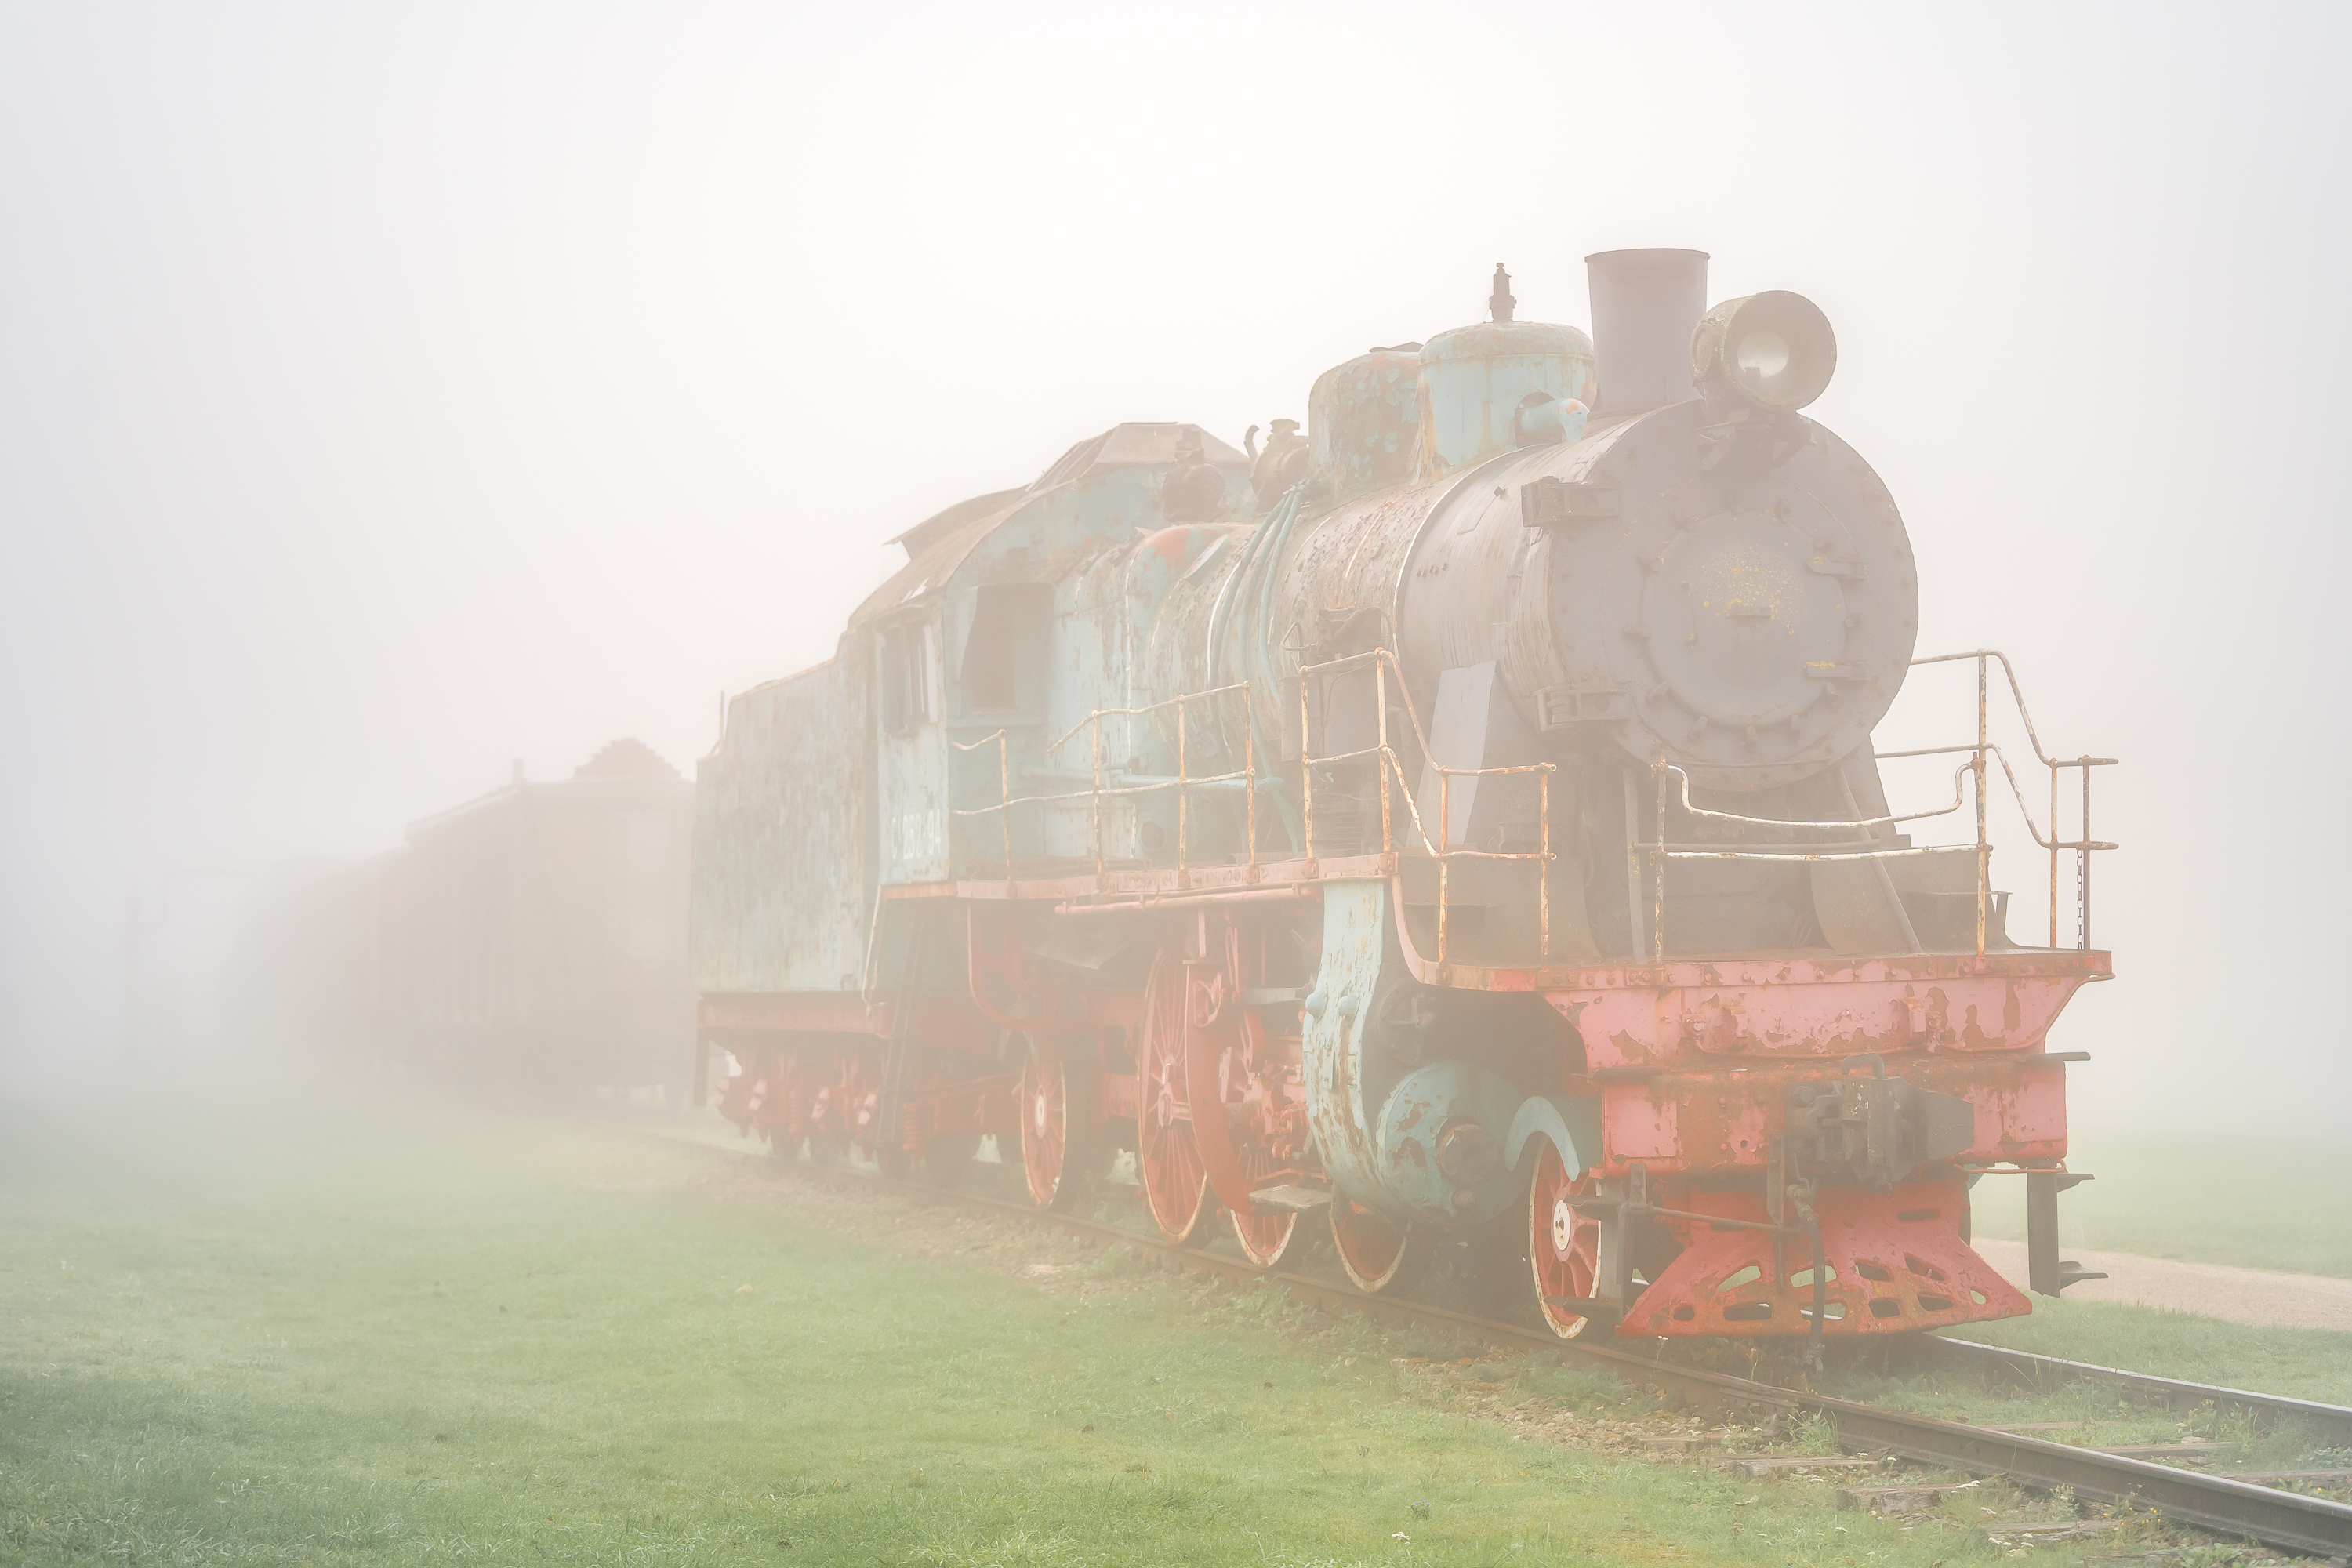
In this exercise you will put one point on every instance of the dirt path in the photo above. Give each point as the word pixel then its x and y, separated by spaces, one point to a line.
pixel 2209 1290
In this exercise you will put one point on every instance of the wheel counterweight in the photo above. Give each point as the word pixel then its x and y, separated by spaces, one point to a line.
pixel 1266 1238
pixel 1371 1248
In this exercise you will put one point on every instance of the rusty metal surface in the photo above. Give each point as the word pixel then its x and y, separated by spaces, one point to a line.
pixel 782 884
pixel 1433 1108
pixel 1751 613
pixel 1334 587
pixel 1892 1263
pixel 1342 1104
pixel 1475 381
pixel 1660 645
pixel 1795 967
pixel 1091 535
pixel 1102 617
pixel 937 547
pixel 1304 878
pixel 1711 1120
pixel 1765 1010
pixel 1179 669
pixel 1363 423
pixel 838 1092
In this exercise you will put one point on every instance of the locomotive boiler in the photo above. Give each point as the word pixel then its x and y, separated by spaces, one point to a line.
pixel 1457 823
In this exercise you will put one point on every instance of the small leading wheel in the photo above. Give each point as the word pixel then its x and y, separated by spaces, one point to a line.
pixel 1265 1238
pixel 1057 1132
pixel 1371 1248
pixel 1175 1179
pixel 1563 1246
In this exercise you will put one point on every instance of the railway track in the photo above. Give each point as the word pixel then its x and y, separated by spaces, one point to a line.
pixel 2222 1504
pixel 2048 1372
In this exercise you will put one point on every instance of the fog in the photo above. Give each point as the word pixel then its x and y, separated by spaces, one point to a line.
pixel 389 393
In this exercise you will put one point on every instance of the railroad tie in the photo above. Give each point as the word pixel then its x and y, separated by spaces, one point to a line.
pixel 1756 1466
pixel 1912 1498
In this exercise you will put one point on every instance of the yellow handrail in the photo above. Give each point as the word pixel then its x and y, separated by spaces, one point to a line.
pixel 1975 768
pixel 1980 755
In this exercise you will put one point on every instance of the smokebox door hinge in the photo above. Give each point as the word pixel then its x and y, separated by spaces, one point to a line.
pixel 1550 501
pixel 1565 707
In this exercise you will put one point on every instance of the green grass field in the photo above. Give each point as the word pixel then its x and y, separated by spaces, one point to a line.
pixel 2282 1204
pixel 253 1335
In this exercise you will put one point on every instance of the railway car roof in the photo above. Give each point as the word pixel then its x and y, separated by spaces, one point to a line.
pixel 626 768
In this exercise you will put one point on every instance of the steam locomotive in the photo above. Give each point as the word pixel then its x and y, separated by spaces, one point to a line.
pixel 1456 825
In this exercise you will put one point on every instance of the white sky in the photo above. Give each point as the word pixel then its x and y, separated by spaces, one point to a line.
pixel 389 391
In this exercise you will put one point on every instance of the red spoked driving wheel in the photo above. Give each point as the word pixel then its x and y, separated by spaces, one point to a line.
pixel 1057 1126
pixel 1175 1180
pixel 1248 1117
pixel 1563 1246
pixel 1226 1047
pixel 1265 1238
pixel 1372 1248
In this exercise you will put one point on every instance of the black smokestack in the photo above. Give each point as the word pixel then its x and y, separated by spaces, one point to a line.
pixel 1645 304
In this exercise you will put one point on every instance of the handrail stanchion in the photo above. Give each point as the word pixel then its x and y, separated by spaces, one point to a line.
pixel 1249 787
pixel 1444 845
pixel 1180 790
pixel 1381 720
pixel 2053 853
pixel 1977 764
pixel 1984 850
pixel 1305 775
pixel 1004 805
pixel 1543 862
pixel 2083 861
pixel 1658 910
pixel 1975 768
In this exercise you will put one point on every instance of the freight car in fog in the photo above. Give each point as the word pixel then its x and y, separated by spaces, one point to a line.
pixel 1457 827
pixel 533 937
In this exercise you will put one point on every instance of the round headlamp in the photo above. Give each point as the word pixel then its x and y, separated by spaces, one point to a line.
pixel 1774 350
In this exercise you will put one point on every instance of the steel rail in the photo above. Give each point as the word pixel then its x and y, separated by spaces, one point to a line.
pixel 2212 1503
pixel 2218 1503
pixel 2044 1372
